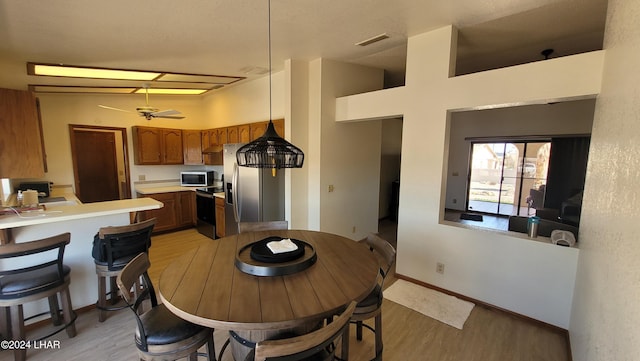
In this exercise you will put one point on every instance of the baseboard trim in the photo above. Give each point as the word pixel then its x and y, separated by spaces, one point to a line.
pixel 549 326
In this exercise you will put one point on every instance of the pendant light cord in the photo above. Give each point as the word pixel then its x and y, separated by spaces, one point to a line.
pixel 269 35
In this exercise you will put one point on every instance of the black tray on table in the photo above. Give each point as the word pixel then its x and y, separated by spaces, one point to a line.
pixel 260 251
pixel 258 260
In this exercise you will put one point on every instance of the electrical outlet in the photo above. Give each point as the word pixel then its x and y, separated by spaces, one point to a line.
pixel 331 188
pixel 142 177
pixel 353 230
pixel 440 268
pixel 455 200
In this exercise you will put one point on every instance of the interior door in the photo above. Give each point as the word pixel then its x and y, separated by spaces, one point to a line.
pixel 95 165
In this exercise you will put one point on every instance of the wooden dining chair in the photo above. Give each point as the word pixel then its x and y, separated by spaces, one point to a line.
pixel 317 345
pixel 160 335
pixel 41 274
pixel 371 306
pixel 244 227
pixel 114 247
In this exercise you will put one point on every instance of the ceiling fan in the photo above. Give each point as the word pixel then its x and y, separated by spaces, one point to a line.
pixel 148 111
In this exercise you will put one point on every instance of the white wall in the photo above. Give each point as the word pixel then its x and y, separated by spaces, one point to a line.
pixel 350 153
pixel 246 102
pixel 533 278
pixel 605 317
pixel 574 117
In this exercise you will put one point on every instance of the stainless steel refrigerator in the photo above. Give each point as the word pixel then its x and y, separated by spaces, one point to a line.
pixel 251 194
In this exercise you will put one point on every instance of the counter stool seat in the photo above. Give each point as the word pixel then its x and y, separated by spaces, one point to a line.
pixel 42 275
pixel 113 248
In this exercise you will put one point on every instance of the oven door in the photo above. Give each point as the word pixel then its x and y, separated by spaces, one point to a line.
pixel 206 214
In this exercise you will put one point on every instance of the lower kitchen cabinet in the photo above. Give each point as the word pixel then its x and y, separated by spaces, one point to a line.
pixel 219 217
pixel 178 211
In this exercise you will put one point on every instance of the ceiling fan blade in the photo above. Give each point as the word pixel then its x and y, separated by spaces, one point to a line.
pixel 112 108
pixel 168 116
pixel 163 113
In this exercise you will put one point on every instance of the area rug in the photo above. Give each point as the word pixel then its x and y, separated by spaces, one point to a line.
pixel 437 305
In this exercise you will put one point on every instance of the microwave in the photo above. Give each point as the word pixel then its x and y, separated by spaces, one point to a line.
pixel 202 178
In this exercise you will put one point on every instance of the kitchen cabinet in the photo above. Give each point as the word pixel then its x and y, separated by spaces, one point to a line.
pixel 192 147
pixel 22 148
pixel 186 202
pixel 232 134
pixel 157 146
pixel 244 133
pixel 172 146
pixel 257 129
pixel 178 211
pixel 213 139
pixel 220 217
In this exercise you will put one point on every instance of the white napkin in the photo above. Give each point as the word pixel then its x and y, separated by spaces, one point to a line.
pixel 284 245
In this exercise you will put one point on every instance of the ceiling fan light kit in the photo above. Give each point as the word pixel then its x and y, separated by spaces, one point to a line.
pixel 270 150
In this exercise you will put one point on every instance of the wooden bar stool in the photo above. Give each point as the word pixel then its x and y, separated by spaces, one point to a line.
pixel 41 276
pixel 113 248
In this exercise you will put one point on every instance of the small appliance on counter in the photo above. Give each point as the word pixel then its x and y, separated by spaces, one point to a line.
pixel 199 178
pixel 43 189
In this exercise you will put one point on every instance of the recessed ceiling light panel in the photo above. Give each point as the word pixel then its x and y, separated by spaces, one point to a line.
pixel 84 72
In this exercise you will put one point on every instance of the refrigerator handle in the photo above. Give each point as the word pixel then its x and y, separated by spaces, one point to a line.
pixel 234 182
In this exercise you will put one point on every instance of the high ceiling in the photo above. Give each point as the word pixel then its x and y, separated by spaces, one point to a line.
pixel 230 37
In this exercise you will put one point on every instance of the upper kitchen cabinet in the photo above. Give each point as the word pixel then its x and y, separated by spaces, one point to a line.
pixel 232 135
pixel 21 143
pixel 258 129
pixel 157 146
pixel 192 146
pixel 244 133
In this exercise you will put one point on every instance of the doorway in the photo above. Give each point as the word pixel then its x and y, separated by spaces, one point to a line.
pixel 100 163
pixel 503 175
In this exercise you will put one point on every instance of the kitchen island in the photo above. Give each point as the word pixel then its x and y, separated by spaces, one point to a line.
pixel 83 222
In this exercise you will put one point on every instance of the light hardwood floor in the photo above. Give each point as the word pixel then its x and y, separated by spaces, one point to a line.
pixel 488 334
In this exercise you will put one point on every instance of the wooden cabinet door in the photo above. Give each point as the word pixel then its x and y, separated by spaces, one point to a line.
pixel 220 217
pixel 258 129
pixel 244 133
pixel 147 145
pixel 21 151
pixel 166 216
pixel 192 146
pixel 278 124
pixel 186 208
pixel 232 134
pixel 172 146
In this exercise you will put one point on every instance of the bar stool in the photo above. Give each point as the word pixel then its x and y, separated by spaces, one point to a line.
pixel 113 248
pixel 42 274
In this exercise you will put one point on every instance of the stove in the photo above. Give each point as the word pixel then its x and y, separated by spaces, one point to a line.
pixel 205 210
pixel 210 190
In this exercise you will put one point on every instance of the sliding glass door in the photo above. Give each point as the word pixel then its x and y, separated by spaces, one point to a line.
pixel 502 173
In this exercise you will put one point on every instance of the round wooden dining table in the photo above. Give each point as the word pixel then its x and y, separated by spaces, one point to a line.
pixel 204 286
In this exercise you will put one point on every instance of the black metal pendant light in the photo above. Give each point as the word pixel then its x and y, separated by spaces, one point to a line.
pixel 270 150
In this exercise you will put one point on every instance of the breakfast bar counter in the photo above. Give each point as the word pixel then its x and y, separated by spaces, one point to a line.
pixel 83 222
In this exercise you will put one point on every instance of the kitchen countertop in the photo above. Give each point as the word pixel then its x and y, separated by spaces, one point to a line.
pixel 59 213
pixel 164 189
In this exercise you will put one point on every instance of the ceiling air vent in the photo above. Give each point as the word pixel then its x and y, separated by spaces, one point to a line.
pixel 374 39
